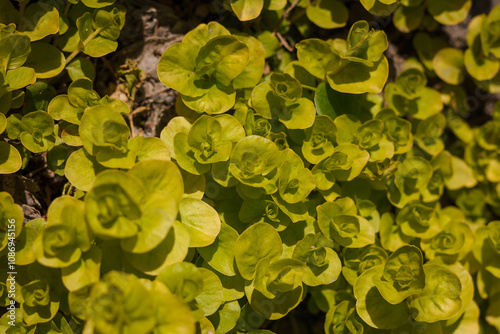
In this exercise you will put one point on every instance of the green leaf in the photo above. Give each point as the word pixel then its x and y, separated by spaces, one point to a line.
pixel 323 264
pixel 259 241
pixel 427 47
pixel 158 216
pixel 176 125
pixel 449 65
pixel 296 70
pixel 343 225
pixel 263 210
pixel 351 167
pixel 286 87
pixel 61 108
pixel 428 134
pixel 296 212
pixel 467 323
pixel 479 66
pixel 417 220
pixel 402 275
pixel 206 142
pixel 112 206
pixel 247 10
pixel 295 181
pixel 220 254
pixel 150 148
pixel 201 221
pixel 357 78
pixel 41 302
pixel 66 236
pixel 24 246
pixel 211 297
pixel 283 275
pixel 98 3
pixel 14 50
pixel 102 130
pixel 407 19
pixel 185 156
pixel 449 12
pixel 81 94
pixel 440 299
pixel 342 318
pixel 19 78
pixel 373 308
pixel 10 159
pixel 46 60
pixel 217 100
pixel 127 309
pixel 99 47
pixel 411 177
pixel 492 316
pixel 486 247
pixel 8 13
pixel 160 175
pixel 454 242
pixel 315 55
pixel 183 279
pixel 84 272
pixel 380 8
pixel 358 66
pixel 38 135
pixel 264 100
pixel 11 211
pixel 176 69
pixel 252 73
pixel 358 260
pixel 81 169
pixel 409 96
pixel 39 21
pixel 253 159
pixel 328 14
pixel 109 22
pixel 173 249
pixel 223 58
pixel 81 68
pixel 370 133
pixel 277 307
pixel 319 140
pixel 226 317
pixel 200 35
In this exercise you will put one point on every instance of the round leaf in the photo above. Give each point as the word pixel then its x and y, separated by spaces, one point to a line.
pixel 201 221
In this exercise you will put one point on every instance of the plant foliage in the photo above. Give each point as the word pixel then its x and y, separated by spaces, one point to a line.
pixel 314 181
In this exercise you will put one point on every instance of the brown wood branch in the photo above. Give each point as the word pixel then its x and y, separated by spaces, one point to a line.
pixel 109 67
pixel 285 15
pixel 284 42
pixel 131 123
pixel 139 110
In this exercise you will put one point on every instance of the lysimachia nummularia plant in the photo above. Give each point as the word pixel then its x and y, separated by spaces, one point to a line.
pixel 300 174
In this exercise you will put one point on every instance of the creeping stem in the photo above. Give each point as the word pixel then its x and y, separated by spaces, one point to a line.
pixel 85 43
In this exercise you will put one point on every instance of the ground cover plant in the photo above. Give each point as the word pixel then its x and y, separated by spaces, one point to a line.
pixel 310 181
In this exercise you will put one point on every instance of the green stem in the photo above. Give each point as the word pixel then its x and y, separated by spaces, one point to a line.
pixel 66 9
pixel 309 87
pixel 85 43
pixel 130 115
pixel 22 8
